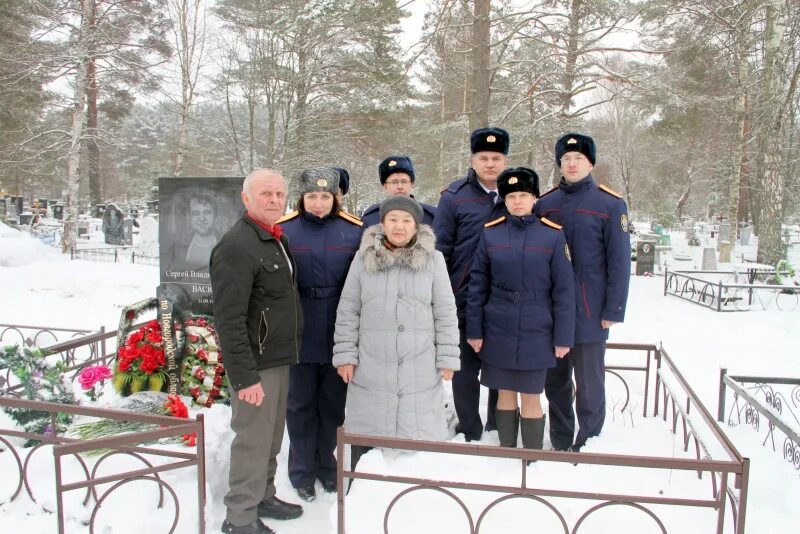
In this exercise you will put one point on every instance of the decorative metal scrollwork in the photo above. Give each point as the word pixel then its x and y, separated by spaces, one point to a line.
pixel 791 452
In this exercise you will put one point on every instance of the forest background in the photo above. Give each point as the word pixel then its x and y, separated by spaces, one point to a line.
pixel 693 103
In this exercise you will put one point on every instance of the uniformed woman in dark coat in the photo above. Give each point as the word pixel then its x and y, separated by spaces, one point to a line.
pixel 323 240
pixel 520 307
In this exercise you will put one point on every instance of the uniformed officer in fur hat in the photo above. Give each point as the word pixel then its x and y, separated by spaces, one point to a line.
pixel 464 207
pixel 323 239
pixel 595 221
pixel 521 276
pixel 397 177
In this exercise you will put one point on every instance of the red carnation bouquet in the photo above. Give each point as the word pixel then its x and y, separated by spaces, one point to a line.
pixel 141 364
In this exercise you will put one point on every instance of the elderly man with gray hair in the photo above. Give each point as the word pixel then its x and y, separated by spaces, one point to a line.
pixel 258 318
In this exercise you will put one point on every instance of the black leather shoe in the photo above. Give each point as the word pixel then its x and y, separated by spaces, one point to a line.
pixel 258 527
pixel 307 493
pixel 329 486
pixel 277 509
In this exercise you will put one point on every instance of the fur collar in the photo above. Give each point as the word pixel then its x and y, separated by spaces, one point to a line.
pixel 378 258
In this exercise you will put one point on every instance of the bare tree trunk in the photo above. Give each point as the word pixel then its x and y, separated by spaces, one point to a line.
pixel 190 41
pixel 96 193
pixel 479 117
pixel 568 79
pixel 770 247
pixel 78 125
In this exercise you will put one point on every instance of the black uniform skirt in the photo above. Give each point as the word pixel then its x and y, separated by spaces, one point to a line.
pixel 521 381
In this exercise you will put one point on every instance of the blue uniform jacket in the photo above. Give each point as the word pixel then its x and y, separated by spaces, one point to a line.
pixel 464 208
pixel 323 249
pixel 372 215
pixel 521 298
pixel 595 221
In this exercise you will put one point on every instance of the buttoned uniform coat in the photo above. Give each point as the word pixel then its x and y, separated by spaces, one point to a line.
pixel 397 323
pixel 595 223
pixel 372 215
pixel 521 296
pixel 464 207
pixel 323 249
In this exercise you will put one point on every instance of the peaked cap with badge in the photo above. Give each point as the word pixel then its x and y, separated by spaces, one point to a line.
pixel 489 140
pixel 325 179
pixel 394 164
pixel 575 142
pixel 518 179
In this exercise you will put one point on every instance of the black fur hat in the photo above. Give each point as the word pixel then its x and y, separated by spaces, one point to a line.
pixel 489 140
pixel 575 142
pixel 394 164
pixel 319 179
pixel 518 179
pixel 344 179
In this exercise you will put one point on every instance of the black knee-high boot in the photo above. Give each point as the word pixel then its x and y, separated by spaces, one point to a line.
pixel 507 427
pixel 532 432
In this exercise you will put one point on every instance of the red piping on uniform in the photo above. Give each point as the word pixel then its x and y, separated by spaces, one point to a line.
pixel 495 247
pixel 543 249
pixel 463 276
pixel 590 212
pixel 585 301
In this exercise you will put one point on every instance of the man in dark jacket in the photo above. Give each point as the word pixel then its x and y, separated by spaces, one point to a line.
pixel 397 177
pixel 258 319
pixel 595 221
pixel 464 207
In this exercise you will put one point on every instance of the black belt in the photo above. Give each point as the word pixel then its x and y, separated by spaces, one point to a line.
pixel 319 292
pixel 520 296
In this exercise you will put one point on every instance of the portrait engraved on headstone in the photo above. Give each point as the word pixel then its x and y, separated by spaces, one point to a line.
pixel 112 224
pixel 58 212
pixel 194 214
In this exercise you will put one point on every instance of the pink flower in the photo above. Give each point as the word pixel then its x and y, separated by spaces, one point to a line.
pixel 92 375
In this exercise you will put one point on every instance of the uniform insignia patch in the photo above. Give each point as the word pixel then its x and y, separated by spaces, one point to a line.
pixel 566 251
pixel 624 222
pixel 322 182
pixel 513 180
pixel 551 224
pixel 349 217
pixel 392 163
pixel 572 141
pixel 494 222
pixel 491 138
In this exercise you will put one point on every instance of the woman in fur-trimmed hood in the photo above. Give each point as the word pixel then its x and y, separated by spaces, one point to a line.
pixel 396 333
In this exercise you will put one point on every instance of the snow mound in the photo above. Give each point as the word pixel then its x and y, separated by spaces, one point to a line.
pixel 18 248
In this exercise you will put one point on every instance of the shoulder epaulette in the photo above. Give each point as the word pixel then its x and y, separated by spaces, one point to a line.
pixel 548 191
pixel 288 217
pixel 454 186
pixel 495 222
pixel 551 224
pixel 349 217
pixel 609 191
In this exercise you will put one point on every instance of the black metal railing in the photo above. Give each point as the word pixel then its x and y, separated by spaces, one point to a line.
pixel 732 290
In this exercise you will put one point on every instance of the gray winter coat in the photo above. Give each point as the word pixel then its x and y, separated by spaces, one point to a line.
pixel 397 323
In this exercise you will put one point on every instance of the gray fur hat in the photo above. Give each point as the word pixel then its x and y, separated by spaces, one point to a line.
pixel 319 179
pixel 404 203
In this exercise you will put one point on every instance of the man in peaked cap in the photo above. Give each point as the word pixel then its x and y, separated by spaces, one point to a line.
pixel 595 222
pixel 464 207
pixel 397 178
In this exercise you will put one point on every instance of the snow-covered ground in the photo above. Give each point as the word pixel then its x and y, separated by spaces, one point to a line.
pixel 42 288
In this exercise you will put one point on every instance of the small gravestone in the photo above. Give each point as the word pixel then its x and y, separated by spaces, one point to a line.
pixel 152 206
pixel 127 232
pixel 112 225
pixel 98 211
pixel 58 212
pixel 725 249
pixel 709 259
pixel 15 207
pixel 148 236
pixel 3 208
pixel 654 225
pixel 645 257
pixel 43 203
pixel 25 219
pixel 745 234
pixel 83 228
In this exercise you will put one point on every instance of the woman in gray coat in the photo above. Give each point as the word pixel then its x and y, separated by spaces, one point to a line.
pixel 396 333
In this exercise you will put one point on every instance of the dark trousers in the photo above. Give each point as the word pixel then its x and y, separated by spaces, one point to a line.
pixel 258 433
pixel 467 394
pixel 588 362
pixel 314 410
